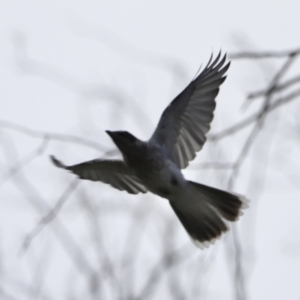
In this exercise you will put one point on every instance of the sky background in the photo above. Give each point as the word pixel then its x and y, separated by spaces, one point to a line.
pixel 83 67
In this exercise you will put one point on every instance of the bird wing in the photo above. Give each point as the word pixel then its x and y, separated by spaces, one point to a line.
pixel 113 172
pixel 184 123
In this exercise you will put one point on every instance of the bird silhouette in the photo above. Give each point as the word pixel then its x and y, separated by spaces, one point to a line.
pixel 155 165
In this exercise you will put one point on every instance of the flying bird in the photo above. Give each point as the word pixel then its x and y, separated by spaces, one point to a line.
pixel 155 165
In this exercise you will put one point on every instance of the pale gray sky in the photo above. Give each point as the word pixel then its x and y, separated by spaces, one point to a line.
pixel 85 59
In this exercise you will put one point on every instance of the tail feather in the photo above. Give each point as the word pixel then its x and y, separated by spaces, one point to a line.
pixel 229 205
pixel 205 228
pixel 204 216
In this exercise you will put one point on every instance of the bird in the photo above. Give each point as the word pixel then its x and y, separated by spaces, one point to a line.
pixel 155 165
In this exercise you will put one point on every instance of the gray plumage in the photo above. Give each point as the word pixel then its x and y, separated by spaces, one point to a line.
pixel 155 165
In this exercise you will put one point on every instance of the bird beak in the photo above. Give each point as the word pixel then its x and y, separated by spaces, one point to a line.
pixel 115 137
pixel 111 134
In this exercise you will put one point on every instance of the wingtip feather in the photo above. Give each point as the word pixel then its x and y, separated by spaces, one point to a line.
pixel 56 162
pixel 205 244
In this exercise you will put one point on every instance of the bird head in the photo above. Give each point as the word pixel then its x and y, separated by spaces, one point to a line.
pixel 124 140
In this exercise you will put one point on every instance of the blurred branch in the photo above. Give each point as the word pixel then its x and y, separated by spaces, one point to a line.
pixel 106 265
pixel 134 238
pixel 251 119
pixel 277 88
pixel 263 54
pixel 25 161
pixel 18 288
pixel 38 202
pixel 168 260
pixel 74 84
pixel 240 293
pixel 51 214
pixel 266 107
pixel 65 138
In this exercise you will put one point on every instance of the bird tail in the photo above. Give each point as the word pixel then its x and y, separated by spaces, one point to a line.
pixel 205 212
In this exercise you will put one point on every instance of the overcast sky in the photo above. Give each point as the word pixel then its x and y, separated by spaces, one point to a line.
pixel 59 58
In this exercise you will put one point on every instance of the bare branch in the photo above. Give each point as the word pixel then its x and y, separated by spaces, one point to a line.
pixel 33 196
pixel 106 265
pixel 76 85
pixel 65 138
pixel 259 122
pixel 169 259
pixel 51 215
pixel 249 120
pixel 263 54
pixel 25 161
pixel 277 88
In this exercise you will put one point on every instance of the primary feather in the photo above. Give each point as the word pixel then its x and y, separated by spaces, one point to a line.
pixel 185 122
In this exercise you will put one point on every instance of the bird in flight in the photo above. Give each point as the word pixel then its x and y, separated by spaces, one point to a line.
pixel 155 165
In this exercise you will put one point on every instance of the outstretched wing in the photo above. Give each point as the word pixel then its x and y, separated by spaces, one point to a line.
pixel 184 123
pixel 113 172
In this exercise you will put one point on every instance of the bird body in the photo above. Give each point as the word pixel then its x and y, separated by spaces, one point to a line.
pixel 155 165
pixel 150 163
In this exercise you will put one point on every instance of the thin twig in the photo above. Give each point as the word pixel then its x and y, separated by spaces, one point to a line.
pixel 259 120
pixel 25 161
pixel 278 88
pixel 263 54
pixel 107 266
pixel 50 216
pixel 168 260
pixel 249 120
pixel 36 199
pixel 239 274
pixel 71 82
pixel 65 138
